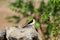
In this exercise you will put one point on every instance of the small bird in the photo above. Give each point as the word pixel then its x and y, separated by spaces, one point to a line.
pixel 30 23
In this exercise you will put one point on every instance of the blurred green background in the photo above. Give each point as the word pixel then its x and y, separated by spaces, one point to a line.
pixel 47 16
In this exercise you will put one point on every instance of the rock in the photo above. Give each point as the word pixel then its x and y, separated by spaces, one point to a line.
pixel 16 33
pixel 19 33
pixel 2 34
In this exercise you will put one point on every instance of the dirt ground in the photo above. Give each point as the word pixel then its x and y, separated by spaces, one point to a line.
pixel 6 11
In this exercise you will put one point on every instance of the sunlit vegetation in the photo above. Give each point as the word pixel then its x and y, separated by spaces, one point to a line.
pixel 23 7
pixel 36 24
pixel 46 14
pixel 14 19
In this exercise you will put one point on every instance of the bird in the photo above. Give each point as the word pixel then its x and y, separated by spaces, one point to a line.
pixel 29 23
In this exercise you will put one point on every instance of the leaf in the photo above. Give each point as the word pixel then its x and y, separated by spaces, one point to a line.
pixel 11 6
pixel 36 11
pixel 44 16
pixel 37 24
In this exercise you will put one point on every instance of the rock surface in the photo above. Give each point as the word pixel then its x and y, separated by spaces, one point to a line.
pixel 19 33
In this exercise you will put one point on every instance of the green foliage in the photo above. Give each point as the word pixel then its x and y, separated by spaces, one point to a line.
pixel 14 19
pixel 57 18
pixel 21 10
pixel 36 11
pixel 11 6
pixel 19 3
pixel 53 6
pixel 42 6
pixel 57 5
pixel 37 24
pixel 44 16
pixel 17 19
pixel 50 28
pixel 9 18
pixel 23 7
pixel 29 6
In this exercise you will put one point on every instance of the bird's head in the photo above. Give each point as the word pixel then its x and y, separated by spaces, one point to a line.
pixel 31 20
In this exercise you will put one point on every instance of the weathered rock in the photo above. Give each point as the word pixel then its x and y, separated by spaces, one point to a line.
pixel 28 33
pixel 2 34
pixel 19 33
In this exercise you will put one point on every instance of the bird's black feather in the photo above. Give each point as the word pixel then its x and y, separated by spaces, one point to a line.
pixel 27 24
pixel 30 21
